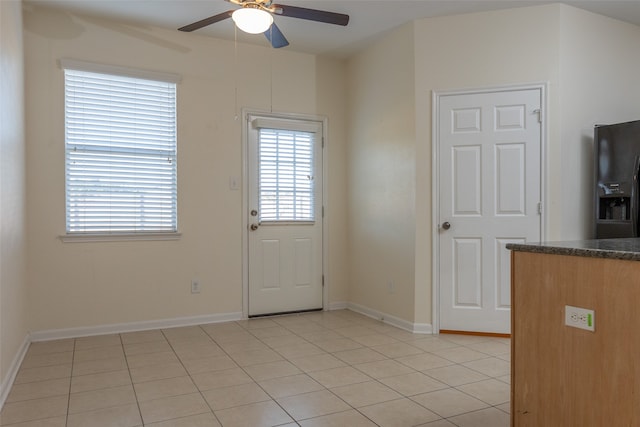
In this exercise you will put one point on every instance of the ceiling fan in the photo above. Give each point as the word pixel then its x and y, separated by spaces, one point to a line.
pixel 260 13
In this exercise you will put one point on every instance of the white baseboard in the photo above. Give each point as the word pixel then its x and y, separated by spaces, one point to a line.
pixel 418 328
pixel 7 381
pixel 423 328
pixel 338 305
pixel 116 328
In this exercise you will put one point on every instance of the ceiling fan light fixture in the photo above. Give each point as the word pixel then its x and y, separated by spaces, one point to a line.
pixel 252 20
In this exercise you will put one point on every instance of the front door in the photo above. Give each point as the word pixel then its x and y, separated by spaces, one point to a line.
pixel 489 173
pixel 285 214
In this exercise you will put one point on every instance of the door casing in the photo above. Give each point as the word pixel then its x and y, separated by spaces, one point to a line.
pixel 435 173
pixel 245 202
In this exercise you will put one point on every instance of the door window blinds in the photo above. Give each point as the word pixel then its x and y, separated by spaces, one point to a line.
pixel 120 139
pixel 286 175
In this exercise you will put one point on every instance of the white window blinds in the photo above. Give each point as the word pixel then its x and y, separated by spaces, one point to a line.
pixel 120 139
pixel 286 175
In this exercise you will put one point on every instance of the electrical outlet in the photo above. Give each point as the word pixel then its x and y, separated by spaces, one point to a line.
pixel 577 317
pixel 195 286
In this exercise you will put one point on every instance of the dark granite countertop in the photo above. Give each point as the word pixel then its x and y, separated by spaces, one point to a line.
pixel 626 249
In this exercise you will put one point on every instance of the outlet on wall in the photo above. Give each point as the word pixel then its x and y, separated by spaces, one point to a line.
pixel 577 317
pixel 195 286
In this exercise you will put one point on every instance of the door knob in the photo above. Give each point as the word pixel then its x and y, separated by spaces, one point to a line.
pixel 254 227
pixel 446 225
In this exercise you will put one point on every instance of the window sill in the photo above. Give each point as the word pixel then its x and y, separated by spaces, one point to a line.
pixel 124 237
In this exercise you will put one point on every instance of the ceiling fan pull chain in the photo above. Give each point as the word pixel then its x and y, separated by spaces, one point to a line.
pixel 271 71
pixel 235 71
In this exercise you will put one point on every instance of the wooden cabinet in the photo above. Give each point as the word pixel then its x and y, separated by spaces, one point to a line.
pixel 563 376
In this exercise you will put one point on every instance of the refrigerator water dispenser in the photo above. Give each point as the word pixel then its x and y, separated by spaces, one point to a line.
pixel 615 208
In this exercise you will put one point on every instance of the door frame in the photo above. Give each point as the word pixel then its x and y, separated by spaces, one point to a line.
pixel 246 112
pixel 436 95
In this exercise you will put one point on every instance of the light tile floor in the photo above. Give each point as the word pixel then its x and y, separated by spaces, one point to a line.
pixel 316 369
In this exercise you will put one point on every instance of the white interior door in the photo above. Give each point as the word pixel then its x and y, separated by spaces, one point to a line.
pixel 285 215
pixel 489 149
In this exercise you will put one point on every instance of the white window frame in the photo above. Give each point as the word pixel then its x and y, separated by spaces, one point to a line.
pixel 313 128
pixel 80 236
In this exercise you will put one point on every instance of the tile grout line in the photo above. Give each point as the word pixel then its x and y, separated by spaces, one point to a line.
pixel 378 380
pixel 194 383
pixel 73 358
pixel 133 387
pixel 454 363
pixel 256 382
pixel 240 367
pixel 491 406
pixel 307 374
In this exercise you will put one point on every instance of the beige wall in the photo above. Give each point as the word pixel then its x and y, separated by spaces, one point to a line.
pixel 13 294
pixel 471 51
pixel 389 165
pixel 599 65
pixel 507 47
pixel 89 284
pixel 490 49
pixel 381 176
pixel 331 88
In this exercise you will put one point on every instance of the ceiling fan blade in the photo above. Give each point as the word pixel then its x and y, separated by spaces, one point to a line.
pixel 312 14
pixel 207 21
pixel 275 36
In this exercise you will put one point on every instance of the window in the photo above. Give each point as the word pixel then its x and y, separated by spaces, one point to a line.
pixel 286 189
pixel 283 171
pixel 120 143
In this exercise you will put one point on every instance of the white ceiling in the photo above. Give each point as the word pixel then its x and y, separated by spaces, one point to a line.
pixel 369 18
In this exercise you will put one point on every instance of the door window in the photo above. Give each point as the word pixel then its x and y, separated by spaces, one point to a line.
pixel 286 175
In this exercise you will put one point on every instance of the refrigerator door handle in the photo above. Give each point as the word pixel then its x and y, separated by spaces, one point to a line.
pixel 634 197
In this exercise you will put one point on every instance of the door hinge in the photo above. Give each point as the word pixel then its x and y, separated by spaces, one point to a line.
pixel 538 111
pixel 322 139
pixel 323 212
pixel 323 280
pixel 539 208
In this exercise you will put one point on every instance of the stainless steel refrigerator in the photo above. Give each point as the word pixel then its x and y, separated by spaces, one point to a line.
pixel 617 157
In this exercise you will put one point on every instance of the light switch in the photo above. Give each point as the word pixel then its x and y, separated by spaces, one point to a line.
pixel 234 183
